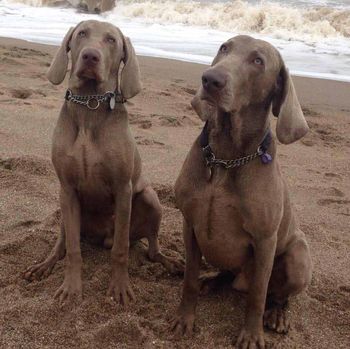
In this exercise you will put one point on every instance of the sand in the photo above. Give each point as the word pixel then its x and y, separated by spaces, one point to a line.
pixel 317 170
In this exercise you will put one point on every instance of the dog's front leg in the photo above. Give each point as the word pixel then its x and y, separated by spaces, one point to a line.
pixel 252 334
pixel 119 287
pixel 72 286
pixel 183 322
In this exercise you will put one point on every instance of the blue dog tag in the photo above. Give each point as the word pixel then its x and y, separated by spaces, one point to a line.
pixel 266 158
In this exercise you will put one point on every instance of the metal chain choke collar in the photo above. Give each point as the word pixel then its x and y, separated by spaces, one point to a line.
pixel 212 161
pixel 93 102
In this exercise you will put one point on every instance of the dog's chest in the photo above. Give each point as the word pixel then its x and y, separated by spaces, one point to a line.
pixel 87 165
pixel 217 224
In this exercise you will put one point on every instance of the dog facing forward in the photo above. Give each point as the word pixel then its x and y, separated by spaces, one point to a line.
pixel 235 204
pixel 103 194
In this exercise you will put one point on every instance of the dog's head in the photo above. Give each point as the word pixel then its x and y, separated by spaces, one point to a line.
pixel 97 51
pixel 248 72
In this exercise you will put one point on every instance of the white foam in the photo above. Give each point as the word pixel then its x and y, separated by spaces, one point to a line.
pixel 268 18
pixel 329 57
pixel 265 17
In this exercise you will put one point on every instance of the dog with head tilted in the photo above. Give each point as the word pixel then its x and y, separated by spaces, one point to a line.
pixel 235 203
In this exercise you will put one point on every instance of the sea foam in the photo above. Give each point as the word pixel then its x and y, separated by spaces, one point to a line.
pixel 313 40
pixel 282 21
pixel 267 18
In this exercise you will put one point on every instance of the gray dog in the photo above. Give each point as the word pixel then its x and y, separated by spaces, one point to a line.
pixel 235 203
pixel 103 192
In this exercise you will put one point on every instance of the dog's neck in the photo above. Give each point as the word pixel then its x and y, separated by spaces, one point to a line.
pixel 91 87
pixel 86 119
pixel 237 134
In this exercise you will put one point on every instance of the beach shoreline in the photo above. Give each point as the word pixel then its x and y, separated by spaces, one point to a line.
pixel 316 92
pixel 313 40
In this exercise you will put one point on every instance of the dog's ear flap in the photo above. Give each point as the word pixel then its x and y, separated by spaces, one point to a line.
pixel 59 65
pixel 130 81
pixel 201 107
pixel 291 124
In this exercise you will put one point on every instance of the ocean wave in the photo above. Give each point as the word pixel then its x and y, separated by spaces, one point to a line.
pixel 238 16
pixel 48 3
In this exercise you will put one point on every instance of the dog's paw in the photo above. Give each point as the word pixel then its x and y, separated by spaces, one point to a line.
pixel 250 340
pixel 120 290
pixel 39 271
pixel 174 265
pixel 182 325
pixel 276 319
pixel 70 292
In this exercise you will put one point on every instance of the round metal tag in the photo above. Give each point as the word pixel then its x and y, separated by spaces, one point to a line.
pixel 93 103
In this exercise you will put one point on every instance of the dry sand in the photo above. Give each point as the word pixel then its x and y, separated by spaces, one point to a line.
pixel 317 169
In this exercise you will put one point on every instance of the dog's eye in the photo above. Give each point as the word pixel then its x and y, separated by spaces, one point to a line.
pixel 110 39
pixel 82 33
pixel 258 61
pixel 223 48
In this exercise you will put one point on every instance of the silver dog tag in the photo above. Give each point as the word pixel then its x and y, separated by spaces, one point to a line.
pixel 112 103
pixel 209 175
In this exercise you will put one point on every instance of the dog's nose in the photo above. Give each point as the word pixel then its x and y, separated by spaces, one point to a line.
pixel 214 80
pixel 91 56
pixel 97 10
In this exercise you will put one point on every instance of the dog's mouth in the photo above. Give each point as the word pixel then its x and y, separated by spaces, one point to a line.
pixel 209 98
pixel 215 101
pixel 89 73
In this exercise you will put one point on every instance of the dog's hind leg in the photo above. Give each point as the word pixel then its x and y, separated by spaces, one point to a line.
pixel 145 221
pixel 44 269
pixel 291 274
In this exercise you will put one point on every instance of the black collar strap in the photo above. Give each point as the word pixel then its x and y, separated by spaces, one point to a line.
pixel 94 101
pixel 212 161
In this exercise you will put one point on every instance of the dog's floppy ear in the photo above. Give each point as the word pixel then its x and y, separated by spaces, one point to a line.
pixel 130 81
pixel 59 65
pixel 291 124
pixel 201 107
